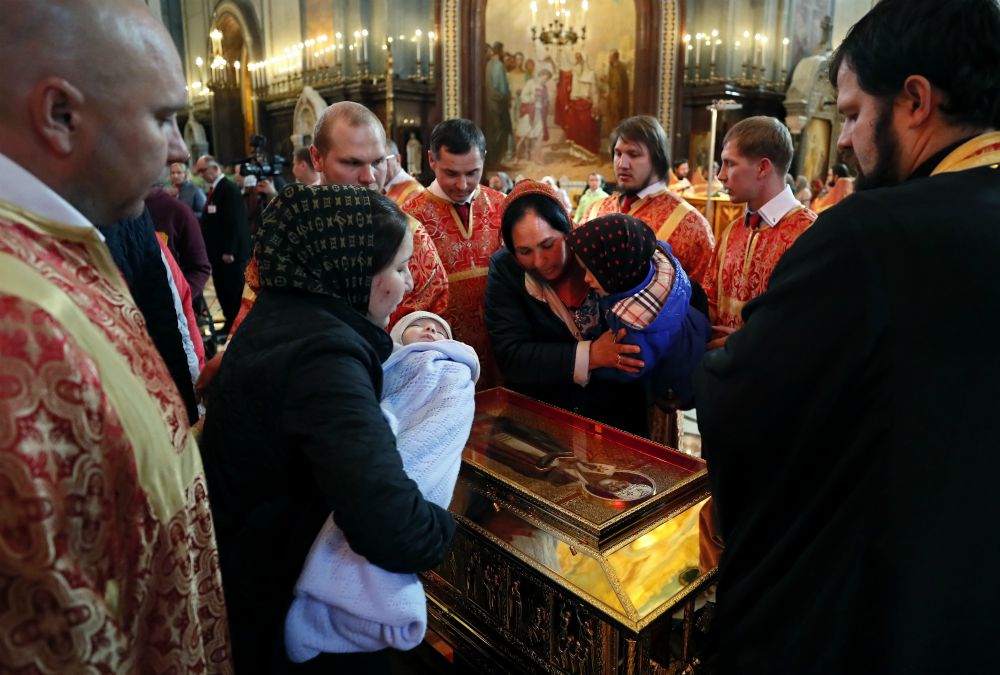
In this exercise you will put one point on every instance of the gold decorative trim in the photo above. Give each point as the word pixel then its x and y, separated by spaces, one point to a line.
pixel 163 474
pixel 669 30
pixel 450 47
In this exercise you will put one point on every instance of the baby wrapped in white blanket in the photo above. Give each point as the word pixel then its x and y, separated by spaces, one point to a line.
pixel 342 602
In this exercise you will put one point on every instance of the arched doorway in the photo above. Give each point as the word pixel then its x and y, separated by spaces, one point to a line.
pixel 233 112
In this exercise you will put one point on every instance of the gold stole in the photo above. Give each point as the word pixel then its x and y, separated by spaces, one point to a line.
pixel 964 156
pixel 163 474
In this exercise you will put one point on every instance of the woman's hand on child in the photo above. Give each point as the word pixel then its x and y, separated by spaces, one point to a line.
pixel 608 351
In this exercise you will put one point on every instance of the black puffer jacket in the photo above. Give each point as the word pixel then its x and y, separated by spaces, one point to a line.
pixel 294 431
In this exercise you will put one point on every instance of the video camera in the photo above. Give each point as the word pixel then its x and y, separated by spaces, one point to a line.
pixel 260 164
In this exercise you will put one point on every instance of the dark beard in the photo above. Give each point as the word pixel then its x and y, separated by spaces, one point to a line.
pixel 886 170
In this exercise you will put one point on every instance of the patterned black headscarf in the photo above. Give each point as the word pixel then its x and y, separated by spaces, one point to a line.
pixel 617 249
pixel 318 239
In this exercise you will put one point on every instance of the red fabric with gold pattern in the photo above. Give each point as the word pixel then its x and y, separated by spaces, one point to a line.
pixel 90 579
pixel 403 191
pixel 430 280
pixel 743 261
pixel 692 240
pixel 465 253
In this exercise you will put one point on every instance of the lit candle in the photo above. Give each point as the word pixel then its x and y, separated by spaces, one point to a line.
pixel 746 47
pixel 364 45
pixel 356 49
pixel 763 53
pixel 756 49
pixel 430 50
pixel 584 6
pixel 697 54
pixel 714 42
pixel 337 48
pixel 416 38
pixel 534 12
pixel 784 54
pixel 200 62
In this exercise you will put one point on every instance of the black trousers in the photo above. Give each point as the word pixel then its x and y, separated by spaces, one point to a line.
pixel 228 281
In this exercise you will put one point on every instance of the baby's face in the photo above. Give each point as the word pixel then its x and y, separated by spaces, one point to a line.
pixel 424 330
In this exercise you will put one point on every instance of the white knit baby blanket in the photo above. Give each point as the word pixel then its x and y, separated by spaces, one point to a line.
pixel 342 602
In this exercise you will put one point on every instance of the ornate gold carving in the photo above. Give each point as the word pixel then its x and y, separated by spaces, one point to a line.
pixel 450 48
pixel 669 30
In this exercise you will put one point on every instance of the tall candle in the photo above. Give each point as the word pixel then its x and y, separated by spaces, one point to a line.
pixel 364 45
pixel 784 54
pixel 430 50
pixel 697 54
pixel 714 42
pixel 416 38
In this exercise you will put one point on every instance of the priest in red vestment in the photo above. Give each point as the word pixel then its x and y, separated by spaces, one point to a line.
pixel 756 154
pixel 463 219
pixel 108 559
pixel 642 167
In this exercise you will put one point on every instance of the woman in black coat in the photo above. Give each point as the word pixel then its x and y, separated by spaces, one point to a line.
pixel 295 431
pixel 547 330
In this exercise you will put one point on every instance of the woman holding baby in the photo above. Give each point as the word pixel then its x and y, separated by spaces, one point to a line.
pixel 296 431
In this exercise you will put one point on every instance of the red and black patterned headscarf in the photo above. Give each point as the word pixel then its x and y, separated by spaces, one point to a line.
pixel 617 249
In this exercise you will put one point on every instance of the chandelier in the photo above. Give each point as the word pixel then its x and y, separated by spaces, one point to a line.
pixel 558 31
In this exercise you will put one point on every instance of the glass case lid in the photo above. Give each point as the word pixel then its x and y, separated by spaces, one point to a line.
pixel 594 482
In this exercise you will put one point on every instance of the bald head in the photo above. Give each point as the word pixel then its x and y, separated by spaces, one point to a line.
pixel 90 108
pixel 349 146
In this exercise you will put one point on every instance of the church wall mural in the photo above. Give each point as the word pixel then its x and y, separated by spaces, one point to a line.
pixel 550 109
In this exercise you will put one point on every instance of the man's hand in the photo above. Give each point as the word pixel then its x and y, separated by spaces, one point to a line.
pixel 226 258
pixel 266 187
pixel 719 336
pixel 608 352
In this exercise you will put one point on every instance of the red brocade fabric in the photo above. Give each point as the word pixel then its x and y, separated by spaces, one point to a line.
pixel 92 577
pixel 465 252
pixel 743 261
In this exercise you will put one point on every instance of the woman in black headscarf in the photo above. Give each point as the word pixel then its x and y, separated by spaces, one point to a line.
pixel 295 430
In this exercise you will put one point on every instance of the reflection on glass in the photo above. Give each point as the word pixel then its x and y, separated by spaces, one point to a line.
pixel 656 566
pixel 649 571
pixel 595 477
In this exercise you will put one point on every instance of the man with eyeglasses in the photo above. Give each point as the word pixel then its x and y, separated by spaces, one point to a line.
pixel 399 185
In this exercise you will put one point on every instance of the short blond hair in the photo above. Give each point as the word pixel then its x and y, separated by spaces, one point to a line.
pixel 350 113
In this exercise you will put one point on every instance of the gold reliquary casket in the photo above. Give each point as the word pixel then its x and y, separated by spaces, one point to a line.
pixel 577 549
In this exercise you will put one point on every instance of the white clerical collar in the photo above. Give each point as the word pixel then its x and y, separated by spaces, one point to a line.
pixel 651 189
pixel 21 187
pixel 436 190
pixel 217 179
pixel 400 177
pixel 778 207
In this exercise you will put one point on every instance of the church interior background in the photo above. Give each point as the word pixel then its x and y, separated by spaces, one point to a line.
pixel 268 68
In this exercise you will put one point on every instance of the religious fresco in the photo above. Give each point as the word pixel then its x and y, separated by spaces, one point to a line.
pixel 549 108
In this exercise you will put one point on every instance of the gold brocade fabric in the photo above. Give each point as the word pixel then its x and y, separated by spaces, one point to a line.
pixel 743 262
pixel 108 560
pixel 687 231
pixel 465 253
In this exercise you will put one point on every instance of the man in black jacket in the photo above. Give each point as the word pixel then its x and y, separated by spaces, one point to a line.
pixel 857 519
pixel 227 237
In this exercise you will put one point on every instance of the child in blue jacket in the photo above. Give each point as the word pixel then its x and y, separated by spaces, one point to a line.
pixel 643 288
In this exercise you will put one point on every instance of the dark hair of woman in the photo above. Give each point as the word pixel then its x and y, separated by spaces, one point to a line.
pixel 388 227
pixel 546 207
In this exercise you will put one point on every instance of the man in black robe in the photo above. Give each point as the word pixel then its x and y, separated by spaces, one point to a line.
pixel 852 427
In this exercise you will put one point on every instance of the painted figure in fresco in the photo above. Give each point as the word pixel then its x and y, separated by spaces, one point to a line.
pixel 580 118
pixel 498 124
pixel 618 92
pixel 532 125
